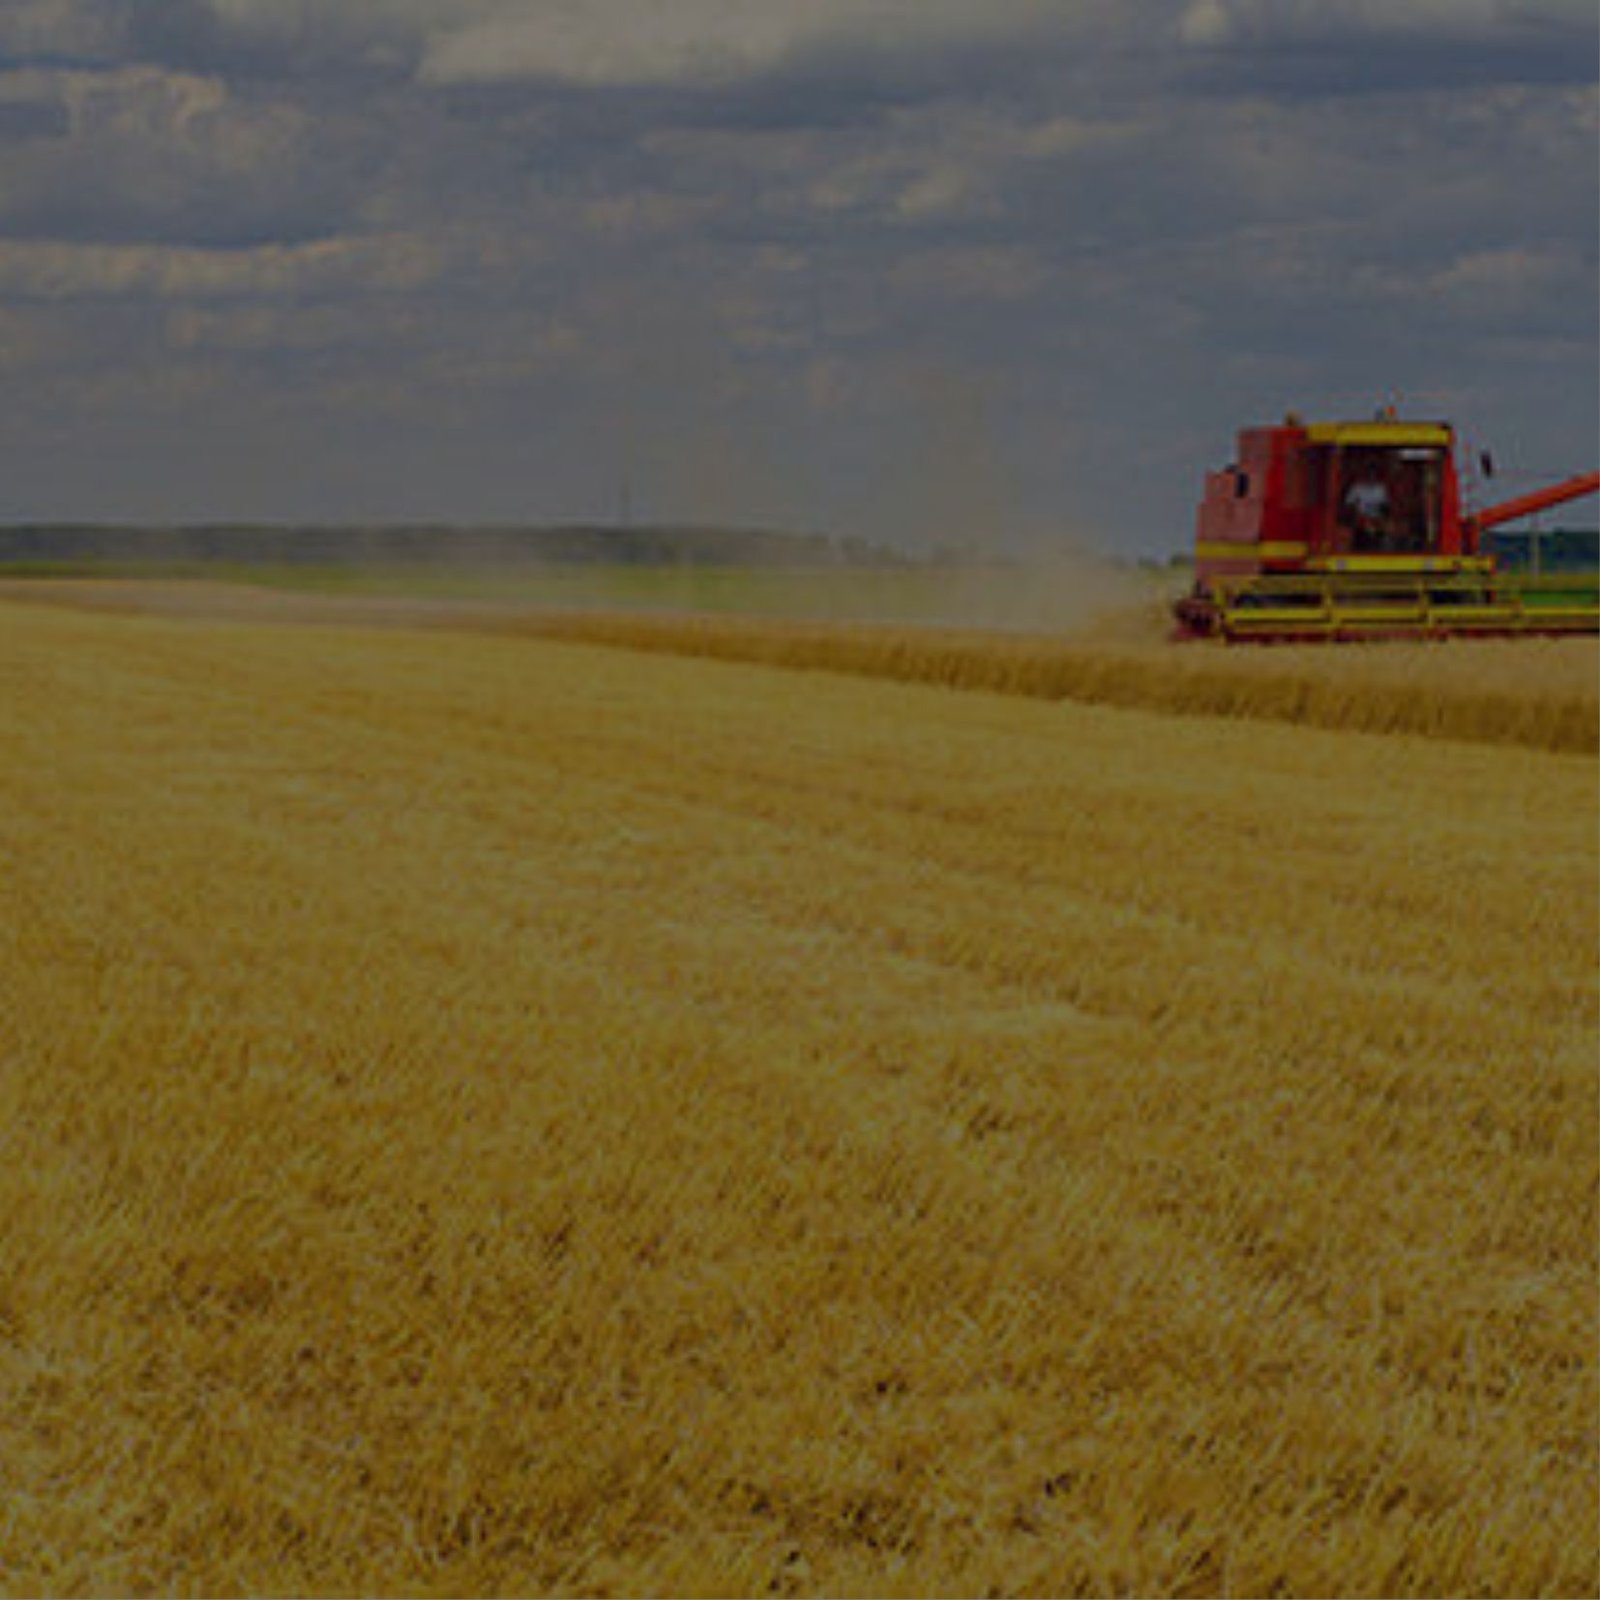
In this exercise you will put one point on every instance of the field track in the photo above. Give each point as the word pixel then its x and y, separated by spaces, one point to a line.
pixel 485 1113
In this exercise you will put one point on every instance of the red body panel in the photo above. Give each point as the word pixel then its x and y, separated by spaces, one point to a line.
pixel 1243 508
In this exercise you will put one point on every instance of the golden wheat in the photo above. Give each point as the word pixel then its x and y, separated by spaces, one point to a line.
pixel 486 1115
pixel 1536 692
pixel 1542 693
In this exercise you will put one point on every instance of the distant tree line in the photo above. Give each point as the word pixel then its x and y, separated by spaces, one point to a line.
pixel 1551 550
pixel 275 545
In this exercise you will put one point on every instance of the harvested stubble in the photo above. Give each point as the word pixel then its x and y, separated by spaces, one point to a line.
pixel 484 1115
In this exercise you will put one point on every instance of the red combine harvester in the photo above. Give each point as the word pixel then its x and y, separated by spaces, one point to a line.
pixel 1356 530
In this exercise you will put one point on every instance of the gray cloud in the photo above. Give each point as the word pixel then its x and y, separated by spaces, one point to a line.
pixel 143 153
pixel 874 265
pixel 711 42
pixel 1353 47
pixel 37 270
pixel 62 32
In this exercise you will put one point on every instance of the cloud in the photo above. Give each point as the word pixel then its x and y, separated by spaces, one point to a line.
pixel 1512 279
pixel 998 273
pixel 751 231
pixel 79 32
pixel 1222 22
pixel 944 168
pixel 272 37
pixel 707 42
pixel 1367 46
pixel 49 270
pixel 338 38
pixel 144 153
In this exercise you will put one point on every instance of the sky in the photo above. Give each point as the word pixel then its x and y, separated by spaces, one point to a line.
pixel 988 274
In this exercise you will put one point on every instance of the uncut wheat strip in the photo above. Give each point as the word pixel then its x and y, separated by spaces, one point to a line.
pixel 1446 691
pixel 1184 680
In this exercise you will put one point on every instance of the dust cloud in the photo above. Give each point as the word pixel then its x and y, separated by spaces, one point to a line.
pixel 932 506
pixel 953 501
pixel 1070 592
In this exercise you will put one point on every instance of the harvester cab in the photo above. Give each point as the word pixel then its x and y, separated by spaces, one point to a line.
pixel 1345 530
pixel 1391 499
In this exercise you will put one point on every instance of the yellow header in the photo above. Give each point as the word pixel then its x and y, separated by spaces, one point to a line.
pixel 1380 433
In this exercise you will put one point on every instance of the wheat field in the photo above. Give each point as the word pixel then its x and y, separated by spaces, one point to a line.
pixel 1103 650
pixel 490 1113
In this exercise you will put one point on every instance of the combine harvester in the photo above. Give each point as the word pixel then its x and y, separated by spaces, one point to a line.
pixel 1356 530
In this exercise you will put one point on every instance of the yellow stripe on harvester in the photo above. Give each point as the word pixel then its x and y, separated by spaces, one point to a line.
pixel 1250 552
pixel 1379 433
pixel 1401 566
